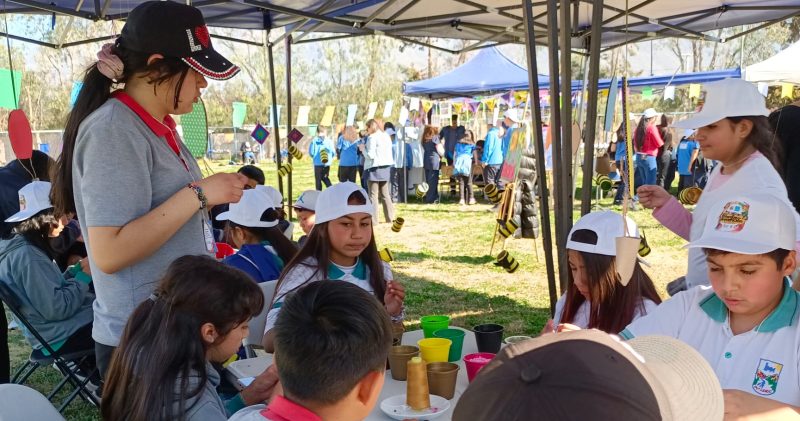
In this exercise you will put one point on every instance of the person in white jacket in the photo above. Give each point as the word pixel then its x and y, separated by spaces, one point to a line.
pixel 378 160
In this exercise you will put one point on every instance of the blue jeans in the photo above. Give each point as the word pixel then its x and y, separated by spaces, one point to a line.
pixel 647 169
pixel 432 178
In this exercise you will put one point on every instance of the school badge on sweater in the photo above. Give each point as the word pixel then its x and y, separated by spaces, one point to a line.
pixel 765 382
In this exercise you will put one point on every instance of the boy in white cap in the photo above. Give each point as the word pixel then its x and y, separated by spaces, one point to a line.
pixel 746 323
pixel 305 207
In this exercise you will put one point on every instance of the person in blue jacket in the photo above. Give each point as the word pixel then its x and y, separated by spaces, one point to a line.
pixel 252 227
pixel 464 154
pixel 319 146
pixel 492 157
pixel 347 150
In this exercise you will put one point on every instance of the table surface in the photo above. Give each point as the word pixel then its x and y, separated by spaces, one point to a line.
pixel 252 367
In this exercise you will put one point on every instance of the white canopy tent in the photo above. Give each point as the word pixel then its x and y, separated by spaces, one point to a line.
pixel 782 67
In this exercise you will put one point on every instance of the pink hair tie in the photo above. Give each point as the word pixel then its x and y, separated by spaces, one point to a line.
pixel 109 64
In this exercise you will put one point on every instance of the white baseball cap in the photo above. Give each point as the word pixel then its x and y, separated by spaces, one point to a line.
pixel 749 224
pixel 307 200
pixel 650 113
pixel 390 131
pixel 250 210
pixel 512 115
pixel 33 198
pixel 608 226
pixel 332 202
pixel 275 197
pixel 725 98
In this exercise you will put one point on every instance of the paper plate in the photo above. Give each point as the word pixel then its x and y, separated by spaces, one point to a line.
pixel 396 408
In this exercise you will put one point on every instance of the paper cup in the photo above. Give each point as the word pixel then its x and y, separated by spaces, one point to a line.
pixel 515 339
pixel 627 253
pixel 442 379
pixel 434 349
pixel 457 337
pixel 488 337
pixel 431 324
pixel 398 360
pixel 475 362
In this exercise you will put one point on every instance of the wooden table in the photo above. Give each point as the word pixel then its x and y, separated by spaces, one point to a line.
pixel 252 367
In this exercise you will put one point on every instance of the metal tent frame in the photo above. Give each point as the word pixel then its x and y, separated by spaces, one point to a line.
pixel 586 27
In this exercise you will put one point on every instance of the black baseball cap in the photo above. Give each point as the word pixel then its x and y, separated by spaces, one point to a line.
pixel 175 30
pixel 590 375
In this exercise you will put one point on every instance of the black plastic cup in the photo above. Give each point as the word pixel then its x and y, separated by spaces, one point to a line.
pixel 488 337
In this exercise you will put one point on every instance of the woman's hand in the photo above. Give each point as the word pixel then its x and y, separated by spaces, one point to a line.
pixel 652 197
pixel 223 188
pixel 742 406
pixel 394 297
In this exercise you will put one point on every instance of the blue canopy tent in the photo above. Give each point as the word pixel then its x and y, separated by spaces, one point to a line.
pixel 489 72
pixel 676 79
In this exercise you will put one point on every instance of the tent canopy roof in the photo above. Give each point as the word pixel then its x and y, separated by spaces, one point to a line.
pixel 486 21
pixel 782 67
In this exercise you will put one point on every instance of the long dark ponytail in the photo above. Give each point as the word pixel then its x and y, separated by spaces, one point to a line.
pixel 160 365
pixel 641 133
pixel 764 140
pixel 95 92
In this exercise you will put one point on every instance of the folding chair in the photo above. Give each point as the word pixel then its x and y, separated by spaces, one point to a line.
pixel 39 359
pixel 19 402
pixel 257 324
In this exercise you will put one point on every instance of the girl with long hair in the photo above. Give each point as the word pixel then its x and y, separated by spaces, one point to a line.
pixel 124 170
pixel 647 141
pixel 196 316
pixel 596 297
pixel 732 129
pixel 433 151
pixel 341 246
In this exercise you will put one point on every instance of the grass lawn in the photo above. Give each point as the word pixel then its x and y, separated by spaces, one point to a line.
pixel 442 256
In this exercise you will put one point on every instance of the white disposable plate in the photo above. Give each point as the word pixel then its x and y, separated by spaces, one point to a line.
pixel 396 408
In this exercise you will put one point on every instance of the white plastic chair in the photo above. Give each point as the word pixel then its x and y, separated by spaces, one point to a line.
pixel 18 402
pixel 258 322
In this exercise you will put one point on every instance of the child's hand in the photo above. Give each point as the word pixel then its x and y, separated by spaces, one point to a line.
pixel 223 188
pixel 263 387
pixel 548 327
pixel 652 197
pixel 393 298
pixel 567 327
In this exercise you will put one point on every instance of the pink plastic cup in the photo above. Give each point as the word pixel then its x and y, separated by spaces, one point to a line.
pixel 475 363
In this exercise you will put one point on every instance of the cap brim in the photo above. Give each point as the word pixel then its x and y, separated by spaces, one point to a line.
pixel 698 120
pixel 301 207
pixel 25 214
pixel 726 244
pixel 224 216
pixel 683 376
pixel 212 65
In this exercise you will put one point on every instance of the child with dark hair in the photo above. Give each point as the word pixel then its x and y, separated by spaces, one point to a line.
pixel 306 207
pixel 255 176
pixel 347 336
pixel 746 322
pixel 597 297
pixel 252 227
pixel 732 128
pixel 465 156
pixel 340 247
pixel 196 316
pixel 58 305
pixel 138 192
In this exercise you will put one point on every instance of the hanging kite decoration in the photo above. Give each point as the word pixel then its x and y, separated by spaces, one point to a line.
pixel 295 135
pixel 260 134
pixel 19 132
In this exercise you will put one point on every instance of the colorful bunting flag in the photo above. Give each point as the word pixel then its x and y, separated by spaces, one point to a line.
pixel 694 90
pixel 787 90
pixel 669 92
pixel 327 116
pixel 647 92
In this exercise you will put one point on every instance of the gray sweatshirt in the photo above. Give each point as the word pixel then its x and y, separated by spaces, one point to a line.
pixel 54 303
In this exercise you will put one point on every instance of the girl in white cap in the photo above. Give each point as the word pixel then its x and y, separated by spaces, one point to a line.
pixel 341 247
pixel 647 141
pixel 597 297
pixel 252 226
pixel 732 128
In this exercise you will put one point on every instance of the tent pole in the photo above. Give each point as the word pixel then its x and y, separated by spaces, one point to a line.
pixel 538 140
pixel 275 123
pixel 288 44
pixel 555 132
pixel 566 123
pixel 591 106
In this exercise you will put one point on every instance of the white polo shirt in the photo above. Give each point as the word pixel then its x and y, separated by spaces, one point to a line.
pixel 763 361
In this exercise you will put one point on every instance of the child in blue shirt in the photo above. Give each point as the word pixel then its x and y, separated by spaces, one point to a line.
pixel 688 149
pixel 318 147
pixel 347 150
pixel 252 227
pixel 462 167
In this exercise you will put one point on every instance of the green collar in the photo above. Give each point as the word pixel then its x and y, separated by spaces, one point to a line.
pixel 359 272
pixel 783 315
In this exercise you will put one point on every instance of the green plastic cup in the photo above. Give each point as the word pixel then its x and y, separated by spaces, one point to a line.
pixel 457 337
pixel 431 324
